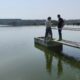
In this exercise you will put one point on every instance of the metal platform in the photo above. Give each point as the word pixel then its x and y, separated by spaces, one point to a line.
pixel 54 42
pixel 46 43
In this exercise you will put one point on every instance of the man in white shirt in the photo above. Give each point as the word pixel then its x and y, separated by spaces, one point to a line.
pixel 48 28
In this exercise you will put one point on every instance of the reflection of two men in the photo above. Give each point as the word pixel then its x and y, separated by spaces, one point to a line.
pixel 49 53
pixel 49 58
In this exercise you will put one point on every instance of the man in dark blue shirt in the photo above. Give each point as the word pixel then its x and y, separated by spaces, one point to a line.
pixel 60 26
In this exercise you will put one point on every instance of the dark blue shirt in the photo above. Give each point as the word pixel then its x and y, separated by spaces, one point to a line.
pixel 60 23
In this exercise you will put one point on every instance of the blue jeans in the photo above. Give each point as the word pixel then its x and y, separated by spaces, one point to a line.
pixel 60 33
pixel 48 31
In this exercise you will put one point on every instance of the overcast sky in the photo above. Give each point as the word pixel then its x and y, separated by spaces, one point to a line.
pixel 39 9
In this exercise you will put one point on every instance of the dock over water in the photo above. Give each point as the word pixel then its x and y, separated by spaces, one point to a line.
pixel 54 42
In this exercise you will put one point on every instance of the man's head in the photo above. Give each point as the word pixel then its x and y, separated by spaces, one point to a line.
pixel 49 18
pixel 58 16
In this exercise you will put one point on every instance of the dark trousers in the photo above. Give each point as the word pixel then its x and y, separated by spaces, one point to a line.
pixel 48 31
pixel 60 33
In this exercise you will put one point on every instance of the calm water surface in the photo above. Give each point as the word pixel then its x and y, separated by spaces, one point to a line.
pixel 22 59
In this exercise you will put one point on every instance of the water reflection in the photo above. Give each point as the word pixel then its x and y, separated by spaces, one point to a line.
pixel 51 53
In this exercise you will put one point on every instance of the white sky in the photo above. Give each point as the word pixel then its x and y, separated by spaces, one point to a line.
pixel 39 9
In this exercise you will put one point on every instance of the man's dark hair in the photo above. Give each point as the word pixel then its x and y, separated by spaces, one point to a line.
pixel 58 15
pixel 49 18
